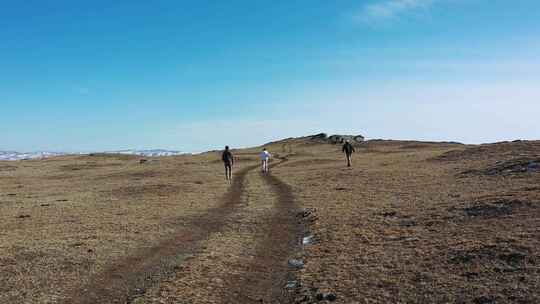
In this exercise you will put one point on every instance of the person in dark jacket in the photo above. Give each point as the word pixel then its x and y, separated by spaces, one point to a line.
pixel 348 149
pixel 228 161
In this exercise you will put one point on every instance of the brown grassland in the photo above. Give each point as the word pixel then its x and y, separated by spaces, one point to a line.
pixel 410 222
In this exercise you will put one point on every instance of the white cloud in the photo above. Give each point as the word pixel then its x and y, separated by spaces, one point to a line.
pixel 390 9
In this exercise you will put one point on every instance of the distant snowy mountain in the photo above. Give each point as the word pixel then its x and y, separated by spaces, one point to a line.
pixel 12 155
pixel 149 153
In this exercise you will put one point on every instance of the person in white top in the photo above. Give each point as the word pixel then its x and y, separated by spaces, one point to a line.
pixel 265 156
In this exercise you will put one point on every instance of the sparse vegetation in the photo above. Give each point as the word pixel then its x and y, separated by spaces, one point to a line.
pixel 404 225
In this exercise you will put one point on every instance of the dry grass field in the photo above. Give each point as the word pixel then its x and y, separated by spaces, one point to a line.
pixel 410 222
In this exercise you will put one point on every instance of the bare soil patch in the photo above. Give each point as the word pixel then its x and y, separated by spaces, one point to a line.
pixel 495 207
pixel 507 256
pixel 514 166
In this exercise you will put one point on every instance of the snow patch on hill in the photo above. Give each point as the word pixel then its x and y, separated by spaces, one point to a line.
pixel 14 156
pixel 149 153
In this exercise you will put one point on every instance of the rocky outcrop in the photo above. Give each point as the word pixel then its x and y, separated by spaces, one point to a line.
pixel 320 136
pixel 339 139
pixel 336 139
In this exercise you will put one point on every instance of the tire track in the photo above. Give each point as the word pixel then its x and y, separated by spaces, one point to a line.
pixel 263 280
pixel 129 278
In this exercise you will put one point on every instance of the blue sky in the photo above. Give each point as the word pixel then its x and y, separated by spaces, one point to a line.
pixel 196 75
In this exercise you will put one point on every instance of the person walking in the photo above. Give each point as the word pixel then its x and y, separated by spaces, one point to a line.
pixel 228 161
pixel 265 157
pixel 348 149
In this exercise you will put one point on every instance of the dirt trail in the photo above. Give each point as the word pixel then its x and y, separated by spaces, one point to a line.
pixel 130 277
pixel 263 279
pixel 262 215
pixel 246 262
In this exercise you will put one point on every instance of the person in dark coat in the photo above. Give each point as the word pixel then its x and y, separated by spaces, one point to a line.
pixel 348 149
pixel 228 161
